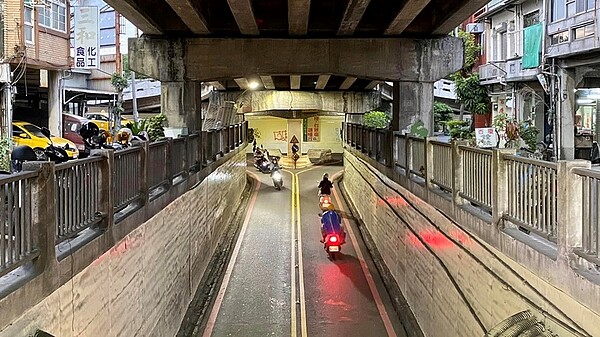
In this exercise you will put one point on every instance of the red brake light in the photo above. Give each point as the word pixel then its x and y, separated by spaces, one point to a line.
pixel 333 239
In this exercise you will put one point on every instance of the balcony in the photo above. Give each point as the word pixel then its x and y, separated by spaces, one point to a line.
pixel 491 73
pixel 444 89
pixel 515 71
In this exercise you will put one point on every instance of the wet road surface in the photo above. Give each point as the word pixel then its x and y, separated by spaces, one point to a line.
pixel 280 281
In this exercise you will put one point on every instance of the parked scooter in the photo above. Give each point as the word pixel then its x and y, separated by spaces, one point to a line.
pixel 94 138
pixel 53 152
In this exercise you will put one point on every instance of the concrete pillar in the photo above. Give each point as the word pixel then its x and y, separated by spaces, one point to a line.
pixel 569 205
pixel 181 103
pixel 457 176
pixel 565 122
pixel 106 187
pixel 43 218
pixel 413 101
pixel 499 185
pixel 54 103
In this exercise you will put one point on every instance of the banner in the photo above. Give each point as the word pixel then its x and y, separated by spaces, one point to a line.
pixel 532 45
pixel 87 39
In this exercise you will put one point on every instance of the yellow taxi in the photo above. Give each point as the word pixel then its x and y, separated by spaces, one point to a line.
pixel 101 119
pixel 28 134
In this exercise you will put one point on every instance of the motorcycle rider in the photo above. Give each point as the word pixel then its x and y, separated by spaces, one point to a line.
pixel 325 185
pixel 331 223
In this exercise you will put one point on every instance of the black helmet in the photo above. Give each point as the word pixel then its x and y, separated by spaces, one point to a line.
pixel 23 153
pixel 88 130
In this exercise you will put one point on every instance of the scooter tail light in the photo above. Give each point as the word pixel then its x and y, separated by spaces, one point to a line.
pixel 333 239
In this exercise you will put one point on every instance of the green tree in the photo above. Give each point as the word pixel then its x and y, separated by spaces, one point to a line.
pixel 119 82
pixel 471 95
pixel 442 113
pixel 376 119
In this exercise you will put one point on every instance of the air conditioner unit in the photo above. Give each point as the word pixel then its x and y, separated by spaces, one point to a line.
pixel 475 28
pixel 501 28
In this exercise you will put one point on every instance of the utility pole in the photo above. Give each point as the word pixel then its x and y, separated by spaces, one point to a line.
pixel 136 116
pixel 119 67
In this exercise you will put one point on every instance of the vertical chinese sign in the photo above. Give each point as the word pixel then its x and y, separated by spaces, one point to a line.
pixel 87 42
pixel 311 129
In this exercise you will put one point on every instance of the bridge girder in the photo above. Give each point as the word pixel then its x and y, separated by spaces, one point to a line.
pixel 211 59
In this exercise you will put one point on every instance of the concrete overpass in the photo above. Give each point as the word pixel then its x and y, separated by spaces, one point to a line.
pixel 439 218
pixel 296 45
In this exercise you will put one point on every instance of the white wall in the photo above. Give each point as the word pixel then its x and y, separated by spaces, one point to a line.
pixel 455 283
pixel 144 284
pixel 270 126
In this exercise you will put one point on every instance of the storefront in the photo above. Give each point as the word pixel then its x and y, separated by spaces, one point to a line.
pixel 586 107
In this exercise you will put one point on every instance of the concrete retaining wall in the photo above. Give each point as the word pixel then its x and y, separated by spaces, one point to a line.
pixel 143 285
pixel 454 282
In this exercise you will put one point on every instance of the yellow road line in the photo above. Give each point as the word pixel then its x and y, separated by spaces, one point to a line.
pixel 294 323
pixel 303 327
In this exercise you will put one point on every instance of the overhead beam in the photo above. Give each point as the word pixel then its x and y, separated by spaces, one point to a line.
pixel 407 14
pixel 322 82
pixel 242 83
pixel 190 16
pixel 295 82
pixel 268 82
pixel 298 11
pixel 347 83
pixel 354 12
pixel 244 16
pixel 217 85
pixel 372 85
pixel 457 16
pixel 132 11
pixel 214 59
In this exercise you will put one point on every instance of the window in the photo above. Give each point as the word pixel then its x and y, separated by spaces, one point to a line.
pixel 558 10
pixel 571 9
pixel 567 8
pixel 53 15
pixel 559 38
pixel 28 23
pixel 531 19
pixel 583 32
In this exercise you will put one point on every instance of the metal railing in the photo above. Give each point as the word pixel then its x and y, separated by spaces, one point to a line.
pixel 441 174
pixel 477 176
pixel 127 177
pixel 178 157
pixel 400 150
pixel 17 235
pixel 532 195
pixel 590 243
pixel 78 196
pixel 522 191
pixel 416 151
pixel 158 173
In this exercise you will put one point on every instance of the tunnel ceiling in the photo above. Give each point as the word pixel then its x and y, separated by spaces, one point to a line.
pixel 297 19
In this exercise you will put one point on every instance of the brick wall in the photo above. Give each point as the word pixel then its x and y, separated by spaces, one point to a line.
pixel 50 47
pixel 455 283
pixel 53 49
pixel 12 22
pixel 143 285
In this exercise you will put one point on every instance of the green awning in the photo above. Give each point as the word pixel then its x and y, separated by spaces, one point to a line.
pixel 532 44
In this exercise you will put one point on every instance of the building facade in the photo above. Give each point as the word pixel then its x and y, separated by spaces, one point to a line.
pixel 543 61
pixel 35 53
pixel 511 69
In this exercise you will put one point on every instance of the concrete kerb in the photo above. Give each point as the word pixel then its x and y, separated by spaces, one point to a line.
pixel 401 306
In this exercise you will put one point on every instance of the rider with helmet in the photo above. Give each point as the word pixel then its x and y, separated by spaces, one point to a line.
pixel 325 185
pixel 331 223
